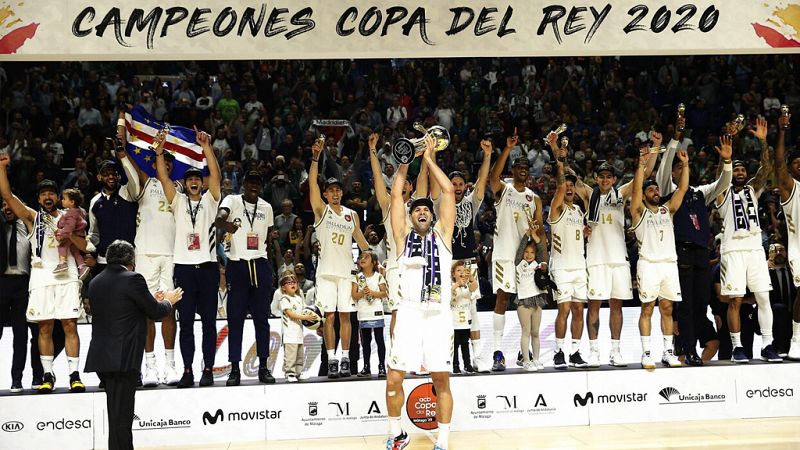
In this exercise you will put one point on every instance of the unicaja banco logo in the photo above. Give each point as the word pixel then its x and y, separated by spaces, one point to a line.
pixel 668 392
pixel 673 396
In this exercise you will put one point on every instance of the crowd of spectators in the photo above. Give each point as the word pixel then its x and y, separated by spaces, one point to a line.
pixel 55 119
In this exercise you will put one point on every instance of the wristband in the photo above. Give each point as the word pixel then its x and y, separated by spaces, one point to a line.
pixel 726 161
pixel 120 122
pixel 315 159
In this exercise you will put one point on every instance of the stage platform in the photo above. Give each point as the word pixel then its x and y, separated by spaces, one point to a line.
pixel 355 407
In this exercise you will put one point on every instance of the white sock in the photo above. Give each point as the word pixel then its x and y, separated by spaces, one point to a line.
pixel 559 344
pixel 344 355
pixel 594 345
pixel 169 356
pixel 668 340
pixel 150 360
pixel 795 330
pixel 331 354
pixel 394 426
pixel 615 345
pixel 645 343
pixel 73 363
pixel 498 325
pixel 736 339
pixel 764 318
pixel 576 346
pixel 47 363
pixel 476 348
pixel 444 435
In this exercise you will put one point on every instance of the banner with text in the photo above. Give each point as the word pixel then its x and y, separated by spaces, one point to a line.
pixel 109 30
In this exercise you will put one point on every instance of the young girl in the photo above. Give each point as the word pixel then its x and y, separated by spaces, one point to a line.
pixel 464 286
pixel 368 290
pixel 530 300
pixel 73 221
pixel 292 305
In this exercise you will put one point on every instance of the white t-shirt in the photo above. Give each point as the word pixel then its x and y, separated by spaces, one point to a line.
pixel 155 229
pixel 200 236
pixel 291 330
pixel 460 305
pixel 369 308
pixel 526 286
pixel 250 240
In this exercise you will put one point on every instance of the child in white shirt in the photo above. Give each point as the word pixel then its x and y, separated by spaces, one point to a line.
pixel 530 299
pixel 292 305
pixel 464 287
pixel 368 291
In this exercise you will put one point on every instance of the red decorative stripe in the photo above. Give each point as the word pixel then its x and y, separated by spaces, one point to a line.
pixel 773 37
pixel 15 39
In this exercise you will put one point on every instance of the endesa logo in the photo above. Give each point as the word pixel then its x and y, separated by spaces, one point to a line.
pixel 769 392
pixel 589 398
pixel 12 426
pixel 63 424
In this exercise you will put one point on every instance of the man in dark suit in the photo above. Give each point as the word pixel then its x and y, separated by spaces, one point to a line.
pixel 121 304
pixel 781 297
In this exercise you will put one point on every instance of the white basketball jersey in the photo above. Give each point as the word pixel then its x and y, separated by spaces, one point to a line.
pixel 606 244
pixel 791 210
pixel 335 234
pixel 391 246
pixel 155 223
pixel 741 229
pixel 513 210
pixel 425 271
pixel 566 243
pixel 460 306
pixel 43 237
pixel 656 236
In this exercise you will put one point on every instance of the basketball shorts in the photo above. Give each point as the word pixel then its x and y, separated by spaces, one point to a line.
pixel 157 271
pixel 333 294
pixel 658 280
pixel 422 338
pixel 610 281
pixel 393 285
pixel 504 276
pixel 56 301
pixel 571 285
pixel 742 270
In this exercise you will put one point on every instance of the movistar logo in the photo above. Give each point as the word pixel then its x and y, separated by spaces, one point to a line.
pixel 208 419
pixel 582 401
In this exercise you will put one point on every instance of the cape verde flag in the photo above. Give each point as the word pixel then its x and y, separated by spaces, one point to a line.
pixel 141 129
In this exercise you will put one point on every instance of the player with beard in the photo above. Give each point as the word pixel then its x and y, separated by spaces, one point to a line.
pixel 567 263
pixel 743 264
pixel 196 270
pixel 657 269
pixel 609 271
pixel 515 205
pixel 464 248
pixel 424 331
pixel 336 227
pixel 155 239
pixel 248 219
pixel 112 212
pixel 51 296
pixel 788 180
pixel 692 237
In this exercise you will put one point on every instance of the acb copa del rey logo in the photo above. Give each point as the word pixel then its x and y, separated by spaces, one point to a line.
pixel 421 407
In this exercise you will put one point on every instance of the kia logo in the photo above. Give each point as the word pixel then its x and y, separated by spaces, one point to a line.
pixel 582 401
pixel 12 426
pixel 208 419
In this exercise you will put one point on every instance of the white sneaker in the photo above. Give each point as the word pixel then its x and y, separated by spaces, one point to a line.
pixel 304 376
pixel 594 358
pixel 647 361
pixel 150 378
pixel 617 360
pixel 538 364
pixel 530 366
pixel 171 377
pixel 794 350
pixel 291 378
pixel 669 359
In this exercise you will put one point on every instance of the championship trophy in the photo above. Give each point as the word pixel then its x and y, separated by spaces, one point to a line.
pixel 738 124
pixel 405 150
pixel 785 113
pixel 561 128
pixel 681 113
pixel 162 134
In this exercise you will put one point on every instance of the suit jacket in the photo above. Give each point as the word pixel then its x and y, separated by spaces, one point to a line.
pixel 121 304
pixel 775 295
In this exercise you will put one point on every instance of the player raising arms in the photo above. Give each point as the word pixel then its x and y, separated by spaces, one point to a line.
pixel 423 333
pixel 515 204
pixel 657 269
